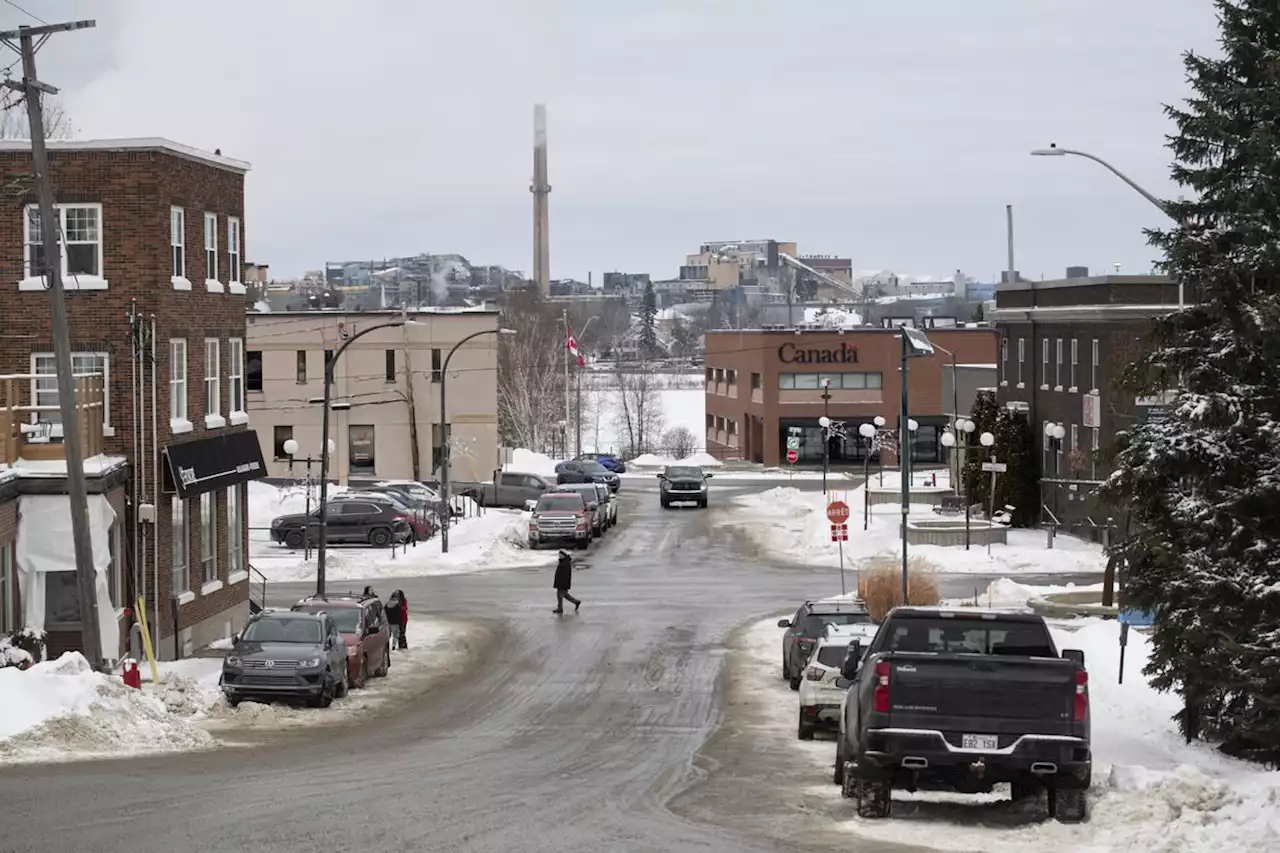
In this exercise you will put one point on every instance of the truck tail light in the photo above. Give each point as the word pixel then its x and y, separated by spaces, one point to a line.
pixel 814 673
pixel 1082 696
pixel 881 696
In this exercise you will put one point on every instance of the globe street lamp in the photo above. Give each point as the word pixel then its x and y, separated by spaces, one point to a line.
pixel 965 429
pixel 988 441
pixel 1055 432
pixel 879 421
pixel 867 431
pixel 291 450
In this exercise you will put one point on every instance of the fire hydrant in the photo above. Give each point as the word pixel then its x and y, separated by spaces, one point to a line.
pixel 131 674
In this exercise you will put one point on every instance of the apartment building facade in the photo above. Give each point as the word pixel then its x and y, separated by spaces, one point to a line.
pixel 153 247
pixel 385 422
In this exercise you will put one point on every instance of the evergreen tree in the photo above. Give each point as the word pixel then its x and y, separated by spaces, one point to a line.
pixel 1019 485
pixel 649 321
pixel 985 415
pixel 1203 485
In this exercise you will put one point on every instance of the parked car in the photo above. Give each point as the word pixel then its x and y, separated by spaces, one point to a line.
pixel 286 655
pixel 418 495
pixel 507 489
pixel 820 698
pixel 683 483
pixel 587 471
pixel 608 504
pixel 363 626
pixel 560 517
pixel 422 521
pixel 956 700
pixel 606 460
pixel 590 497
pixel 350 522
pixel 804 629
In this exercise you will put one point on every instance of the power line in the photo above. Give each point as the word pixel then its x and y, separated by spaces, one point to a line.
pixel 27 13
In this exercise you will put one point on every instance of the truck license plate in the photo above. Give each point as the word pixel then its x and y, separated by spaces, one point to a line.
pixel 980 741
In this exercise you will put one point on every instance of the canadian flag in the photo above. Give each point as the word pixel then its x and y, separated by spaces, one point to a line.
pixel 572 345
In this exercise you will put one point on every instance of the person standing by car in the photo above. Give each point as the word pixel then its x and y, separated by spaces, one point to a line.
pixel 398 618
pixel 564 580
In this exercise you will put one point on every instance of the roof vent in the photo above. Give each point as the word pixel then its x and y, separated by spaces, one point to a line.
pixel 1077 272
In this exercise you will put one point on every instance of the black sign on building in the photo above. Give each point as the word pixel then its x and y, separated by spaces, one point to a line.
pixel 209 464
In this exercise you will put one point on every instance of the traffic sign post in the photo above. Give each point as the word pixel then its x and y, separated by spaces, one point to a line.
pixel 838 515
pixel 793 456
pixel 793 442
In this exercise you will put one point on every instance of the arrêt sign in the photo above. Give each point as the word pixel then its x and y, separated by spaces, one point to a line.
pixel 843 354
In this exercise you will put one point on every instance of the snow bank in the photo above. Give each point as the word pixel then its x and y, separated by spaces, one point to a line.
pixel 63 709
pixel 267 501
pixel 529 462
pixel 792 524
pixel 1009 594
pixel 11 655
pixel 650 460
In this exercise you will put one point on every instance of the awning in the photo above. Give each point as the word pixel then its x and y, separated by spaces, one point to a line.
pixel 208 464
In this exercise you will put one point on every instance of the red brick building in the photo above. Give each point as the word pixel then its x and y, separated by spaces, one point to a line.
pixel 766 386
pixel 153 252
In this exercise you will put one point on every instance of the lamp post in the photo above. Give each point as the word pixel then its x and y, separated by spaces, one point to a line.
pixel 964 429
pixel 578 386
pixel 291 450
pixel 867 431
pixel 326 442
pixel 1055 432
pixel 445 449
pixel 915 344
pixel 988 441
pixel 879 422
pixel 825 423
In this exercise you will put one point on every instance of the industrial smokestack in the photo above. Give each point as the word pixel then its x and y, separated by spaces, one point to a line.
pixel 541 190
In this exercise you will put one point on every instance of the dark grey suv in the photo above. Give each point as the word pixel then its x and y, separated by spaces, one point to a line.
pixel 287 655
pixel 804 629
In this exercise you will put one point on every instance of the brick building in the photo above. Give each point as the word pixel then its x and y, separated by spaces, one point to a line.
pixel 153 250
pixel 762 384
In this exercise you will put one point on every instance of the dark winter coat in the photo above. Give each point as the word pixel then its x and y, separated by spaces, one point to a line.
pixel 395 611
pixel 564 573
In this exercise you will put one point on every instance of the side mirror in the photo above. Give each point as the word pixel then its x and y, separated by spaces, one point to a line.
pixel 530 506
pixel 784 623
pixel 709 476
pixel 661 476
pixel 843 683
pixel 235 638
pixel 1076 656
pixel 593 506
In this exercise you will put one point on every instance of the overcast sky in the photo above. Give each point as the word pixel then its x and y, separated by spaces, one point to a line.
pixel 893 133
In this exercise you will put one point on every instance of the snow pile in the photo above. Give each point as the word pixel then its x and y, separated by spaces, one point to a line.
pixel 1008 594
pixel 267 502
pixel 528 462
pixel 701 460
pixel 831 317
pixel 11 655
pixel 60 708
pixel 792 524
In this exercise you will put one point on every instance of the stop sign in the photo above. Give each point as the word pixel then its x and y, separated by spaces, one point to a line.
pixel 792 456
pixel 837 512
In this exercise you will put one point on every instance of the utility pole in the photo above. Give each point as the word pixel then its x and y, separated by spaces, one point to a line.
pixel 50 235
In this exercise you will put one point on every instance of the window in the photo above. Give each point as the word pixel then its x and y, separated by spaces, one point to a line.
pixel 1093 457
pixel 757 382
pixel 233 249
pixel 235 531
pixel 435 365
pixel 1004 359
pixel 1075 437
pixel 731 376
pixel 8 623
pixel 1057 364
pixel 212 379
pixel 208 537
pixel 360 449
pixel 390 368
pixel 211 247
pixel 279 436
pixel 1093 373
pixel 235 373
pixel 44 391
pixel 253 370
pixel 61 601
pixel 1022 356
pixel 815 381
pixel 178 380
pixel 302 367
pixel 178 241
pixel 81 241
pixel 1044 361
pixel 181 546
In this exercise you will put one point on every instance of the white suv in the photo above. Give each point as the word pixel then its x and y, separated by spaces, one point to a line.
pixel 820 699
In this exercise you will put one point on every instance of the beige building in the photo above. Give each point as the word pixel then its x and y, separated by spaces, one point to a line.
pixel 377 411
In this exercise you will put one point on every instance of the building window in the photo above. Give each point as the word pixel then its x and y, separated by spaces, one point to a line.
pixel 1022 356
pixel 757 382
pixel 1075 358
pixel 61 601
pixel 1093 373
pixel 1075 437
pixel 302 367
pixel 235 531
pixel 361 458
pixel 1004 359
pixel 178 241
pixel 279 436
pixel 731 376
pixel 44 388
pixel 1093 457
pixel 1057 364
pixel 181 546
pixel 390 368
pixel 212 379
pixel 208 537
pixel 233 249
pixel 435 365
pixel 1044 361
pixel 817 381
pixel 178 380
pixel 211 247
pixel 81 241
pixel 253 370
pixel 8 623
pixel 115 579
pixel 235 373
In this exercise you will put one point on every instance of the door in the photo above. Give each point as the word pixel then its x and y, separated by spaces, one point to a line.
pixel 375 618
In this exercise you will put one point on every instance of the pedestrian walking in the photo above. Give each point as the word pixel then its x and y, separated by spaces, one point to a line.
pixel 398 619
pixel 563 581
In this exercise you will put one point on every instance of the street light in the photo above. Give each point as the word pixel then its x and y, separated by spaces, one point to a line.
pixel 964 429
pixel 915 344
pixel 988 441
pixel 879 421
pixel 1055 432
pixel 325 441
pixel 291 450
pixel 825 423
pixel 445 449
pixel 867 431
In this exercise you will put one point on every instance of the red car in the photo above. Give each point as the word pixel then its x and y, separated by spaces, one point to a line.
pixel 363 625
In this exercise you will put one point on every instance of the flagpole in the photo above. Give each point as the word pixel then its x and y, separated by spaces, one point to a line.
pixel 567 334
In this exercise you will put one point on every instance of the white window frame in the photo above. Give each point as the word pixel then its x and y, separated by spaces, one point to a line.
pixel 78 281
pixel 211 282
pixel 1022 356
pixel 178 410
pixel 180 523
pixel 1075 359
pixel 209 543
pixel 1044 362
pixel 236 382
pixel 42 365
pixel 1093 373
pixel 233 254
pixel 178 248
pixel 1057 364
pixel 213 418
pixel 1004 360
pixel 235 531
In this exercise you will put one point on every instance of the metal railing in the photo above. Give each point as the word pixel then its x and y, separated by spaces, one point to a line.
pixel 25 429
pixel 257 584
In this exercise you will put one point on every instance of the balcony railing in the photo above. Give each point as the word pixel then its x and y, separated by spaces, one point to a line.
pixel 32 431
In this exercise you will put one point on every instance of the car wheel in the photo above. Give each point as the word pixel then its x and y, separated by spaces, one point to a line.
pixel 584 543
pixel 874 798
pixel 386 661
pixel 666 504
pixel 363 678
pixel 837 774
pixel 794 682
pixel 234 701
pixel 533 544
pixel 803 732
pixel 380 537
pixel 293 539
pixel 702 504
pixel 1067 805
pixel 343 687
pixel 325 698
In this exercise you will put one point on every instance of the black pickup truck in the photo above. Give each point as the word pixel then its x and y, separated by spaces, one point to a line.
pixel 962 700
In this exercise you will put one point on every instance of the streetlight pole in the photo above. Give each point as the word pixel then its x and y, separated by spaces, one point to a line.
pixel 578 386
pixel 325 441
pixel 825 423
pixel 915 344
pixel 1055 433
pixel 879 422
pixel 868 432
pixel 445 437
pixel 291 450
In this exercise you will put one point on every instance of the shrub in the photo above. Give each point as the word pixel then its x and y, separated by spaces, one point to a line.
pixel 880 583
pixel 679 443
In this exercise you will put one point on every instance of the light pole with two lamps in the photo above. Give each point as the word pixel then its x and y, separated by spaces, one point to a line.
pixel 988 441
pixel 291 450
pixel 446 438
pixel 868 432
pixel 964 428
pixel 825 423
pixel 915 344
pixel 1055 432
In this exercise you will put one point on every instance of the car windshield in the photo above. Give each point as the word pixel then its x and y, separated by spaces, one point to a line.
pixel 971 636
pixel 561 503
pixel 588 492
pixel 379 497
pixel 283 630
pixel 813 624
pixel 685 473
pixel 346 618
pixel 832 656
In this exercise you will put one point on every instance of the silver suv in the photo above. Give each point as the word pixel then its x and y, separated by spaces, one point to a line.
pixel 284 654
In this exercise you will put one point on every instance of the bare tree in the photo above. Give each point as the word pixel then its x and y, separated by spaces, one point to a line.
pixel 530 373
pixel 13 118
pixel 639 416
pixel 679 442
